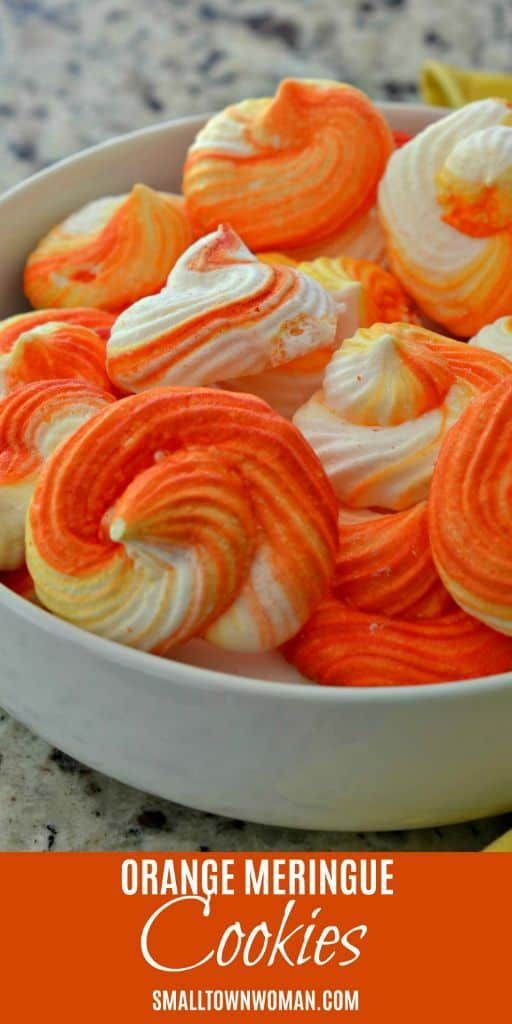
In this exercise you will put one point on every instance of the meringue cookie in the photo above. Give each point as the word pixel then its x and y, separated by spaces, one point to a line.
pixel 341 646
pixel 34 420
pixel 110 253
pixel 368 292
pixel 184 512
pixel 384 564
pixel 97 320
pixel 401 138
pixel 54 351
pixel 446 206
pixel 227 318
pixel 496 337
pixel 470 509
pixel 320 144
pixel 389 396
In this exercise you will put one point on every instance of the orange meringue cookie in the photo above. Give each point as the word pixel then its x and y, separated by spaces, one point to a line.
pixel 384 564
pixel 110 253
pixel 34 420
pixel 401 138
pixel 227 318
pixel 481 369
pixel 363 239
pixel 470 509
pixel 341 646
pixel 373 293
pixel 496 337
pixel 20 582
pixel 288 171
pixel 181 512
pixel 97 320
pixel 446 206
pixel 389 396
pixel 53 351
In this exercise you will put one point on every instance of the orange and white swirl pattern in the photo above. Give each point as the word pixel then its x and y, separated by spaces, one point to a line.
pixel 470 509
pixel 496 337
pixel 389 396
pixel 53 351
pixel 227 318
pixel 384 564
pixel 368 292
pixel 446 207
pixel 20 582
pixel 183 512
pixel 289 171
pixel 34 420
pixel 54 343
pixel 110 253
pixel 341 646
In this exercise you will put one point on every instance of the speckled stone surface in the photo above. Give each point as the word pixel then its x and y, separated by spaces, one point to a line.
pixel 73 73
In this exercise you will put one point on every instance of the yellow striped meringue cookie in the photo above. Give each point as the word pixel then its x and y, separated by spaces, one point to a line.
pixel 110 253
pixel 389 396
pixel 496 337
pixel 347 292
pixel 227 318
pixel 368 292
pixel 34 420
pixel 446 206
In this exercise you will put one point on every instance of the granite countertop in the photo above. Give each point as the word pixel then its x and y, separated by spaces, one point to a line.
pixel 73 73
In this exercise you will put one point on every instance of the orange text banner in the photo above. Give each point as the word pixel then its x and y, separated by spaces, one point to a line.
pixel 240 937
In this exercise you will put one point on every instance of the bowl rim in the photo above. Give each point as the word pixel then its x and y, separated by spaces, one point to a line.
pixel 214 679
pixel 162 127
pixel 197 676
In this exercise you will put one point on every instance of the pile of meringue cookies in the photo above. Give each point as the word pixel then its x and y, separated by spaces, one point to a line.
pixel 276 411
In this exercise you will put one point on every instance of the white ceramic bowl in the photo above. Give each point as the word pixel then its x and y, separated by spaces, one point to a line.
pixel 218 737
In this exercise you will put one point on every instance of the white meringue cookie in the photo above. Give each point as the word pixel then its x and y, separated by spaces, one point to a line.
pixel 445 202
pixel 225 316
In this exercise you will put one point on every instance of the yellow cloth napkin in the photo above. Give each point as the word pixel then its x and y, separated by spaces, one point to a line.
pixel 445 86
pixel 501 845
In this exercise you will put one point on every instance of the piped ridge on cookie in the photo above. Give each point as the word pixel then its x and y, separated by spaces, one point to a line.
pixel 184 512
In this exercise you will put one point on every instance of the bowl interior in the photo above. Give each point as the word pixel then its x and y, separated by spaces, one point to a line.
pixel 154 156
